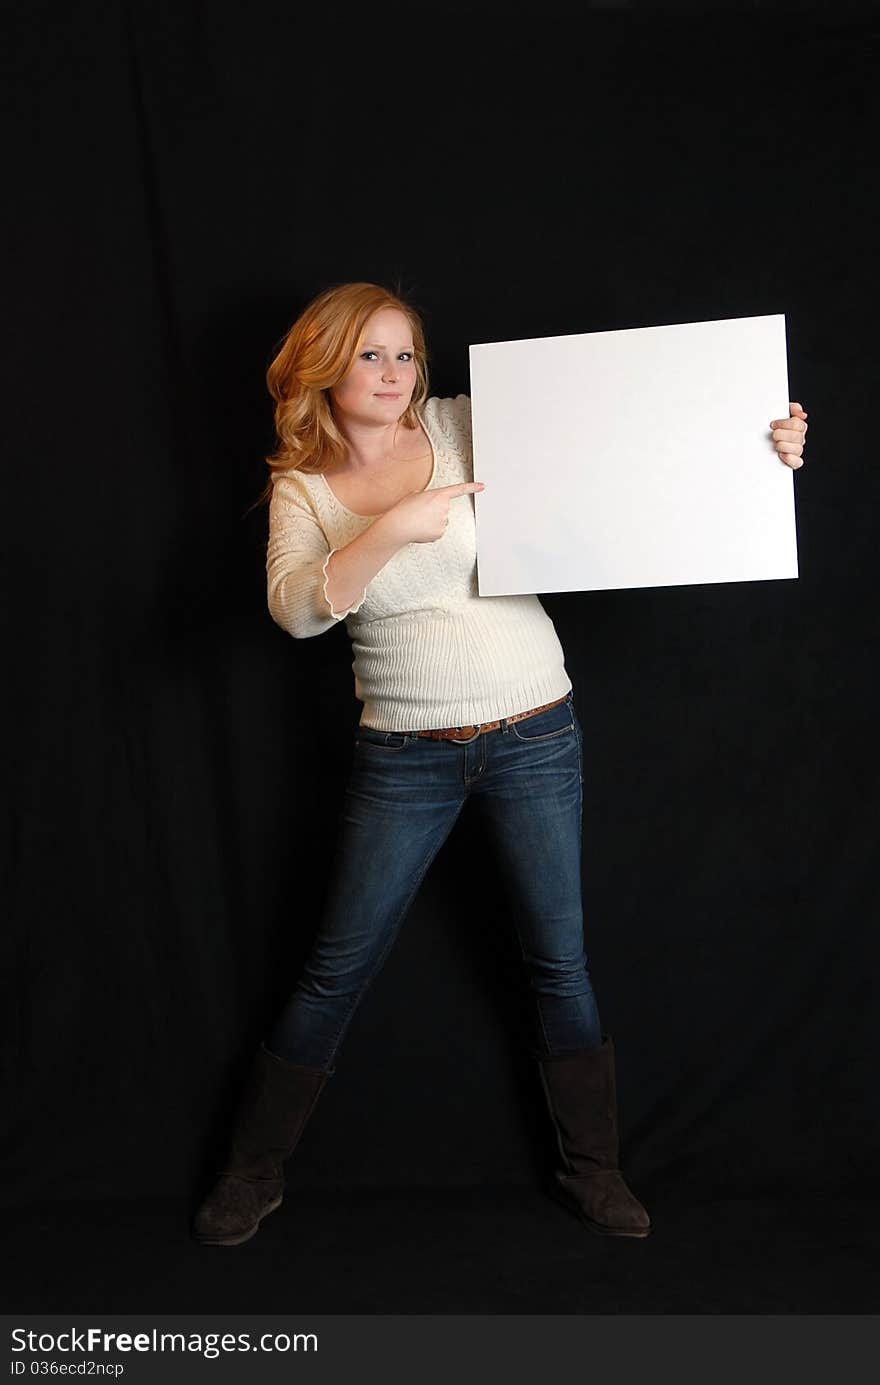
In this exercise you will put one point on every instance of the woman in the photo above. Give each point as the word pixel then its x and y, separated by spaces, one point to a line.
pixel 464 698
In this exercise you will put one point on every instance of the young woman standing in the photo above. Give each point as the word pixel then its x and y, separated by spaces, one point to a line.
pixel 466 701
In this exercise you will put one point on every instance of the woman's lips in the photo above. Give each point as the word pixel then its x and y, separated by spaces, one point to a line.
pixel 387 396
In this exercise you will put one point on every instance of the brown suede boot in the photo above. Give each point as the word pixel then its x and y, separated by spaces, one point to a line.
pixel 273 1109
pixel 581 1094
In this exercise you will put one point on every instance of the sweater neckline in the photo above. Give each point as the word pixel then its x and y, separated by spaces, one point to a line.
pixel 424 427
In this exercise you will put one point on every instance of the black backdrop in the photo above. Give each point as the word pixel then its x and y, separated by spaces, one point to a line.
pixel 184 178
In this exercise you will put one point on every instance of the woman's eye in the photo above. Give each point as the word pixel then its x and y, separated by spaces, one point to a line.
pixel 408 354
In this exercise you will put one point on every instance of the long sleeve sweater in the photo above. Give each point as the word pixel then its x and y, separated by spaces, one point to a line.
pixel 429 651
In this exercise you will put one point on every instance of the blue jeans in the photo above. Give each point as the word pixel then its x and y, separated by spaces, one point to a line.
pixel 403 796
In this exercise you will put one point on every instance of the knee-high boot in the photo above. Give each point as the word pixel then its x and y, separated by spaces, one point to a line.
pixel 581 1093
pixel 274 1106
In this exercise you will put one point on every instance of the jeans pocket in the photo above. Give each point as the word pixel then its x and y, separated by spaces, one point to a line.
pixel 543 726
pixel 381 740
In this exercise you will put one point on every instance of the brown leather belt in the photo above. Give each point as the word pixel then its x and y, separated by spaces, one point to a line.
pixel 466 733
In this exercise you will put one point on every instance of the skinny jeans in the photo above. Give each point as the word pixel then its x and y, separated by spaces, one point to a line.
pixel 403 796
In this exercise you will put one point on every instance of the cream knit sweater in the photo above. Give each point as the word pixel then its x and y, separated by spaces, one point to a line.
pixel 429 651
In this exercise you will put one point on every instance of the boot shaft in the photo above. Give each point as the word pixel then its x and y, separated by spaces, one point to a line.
pixel 275 1103
pixel 581 1095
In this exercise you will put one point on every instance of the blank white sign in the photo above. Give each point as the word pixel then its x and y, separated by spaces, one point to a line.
pixel 637 458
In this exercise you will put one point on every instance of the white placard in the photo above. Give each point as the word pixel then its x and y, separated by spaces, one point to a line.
pixel 636 458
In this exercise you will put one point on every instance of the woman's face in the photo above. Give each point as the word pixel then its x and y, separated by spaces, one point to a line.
pixel 382 376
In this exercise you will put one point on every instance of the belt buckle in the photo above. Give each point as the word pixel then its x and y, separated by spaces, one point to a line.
pixel 465 740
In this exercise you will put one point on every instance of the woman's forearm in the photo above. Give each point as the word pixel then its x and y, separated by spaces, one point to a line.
pixel 349 570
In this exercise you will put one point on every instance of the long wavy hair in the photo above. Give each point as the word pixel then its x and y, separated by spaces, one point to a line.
pixel 316 354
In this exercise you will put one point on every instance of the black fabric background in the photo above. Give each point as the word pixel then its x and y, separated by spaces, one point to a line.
pixel 183 179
